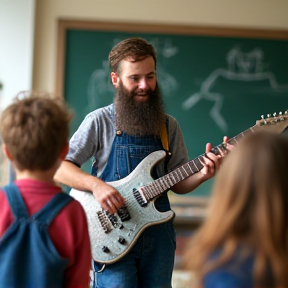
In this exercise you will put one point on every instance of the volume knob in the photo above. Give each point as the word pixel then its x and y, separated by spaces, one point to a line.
pixel 121 240
pixel 105 249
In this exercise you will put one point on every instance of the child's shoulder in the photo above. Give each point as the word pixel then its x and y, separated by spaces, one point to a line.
pixel 1 192
pixel 74 208
pixel 3 196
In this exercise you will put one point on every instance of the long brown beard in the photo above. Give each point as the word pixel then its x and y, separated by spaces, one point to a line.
pixel 139 118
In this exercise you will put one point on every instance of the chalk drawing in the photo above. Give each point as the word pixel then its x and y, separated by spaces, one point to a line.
pixel 242 67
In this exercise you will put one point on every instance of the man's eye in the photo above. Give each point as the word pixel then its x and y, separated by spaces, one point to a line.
pixel 134 78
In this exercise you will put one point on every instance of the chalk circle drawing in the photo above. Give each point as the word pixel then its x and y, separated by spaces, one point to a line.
pixel 242 67
pixel 100 90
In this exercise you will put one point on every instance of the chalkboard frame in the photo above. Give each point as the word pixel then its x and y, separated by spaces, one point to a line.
pixel 183 203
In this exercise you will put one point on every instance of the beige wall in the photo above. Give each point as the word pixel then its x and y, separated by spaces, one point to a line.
pixel 263 14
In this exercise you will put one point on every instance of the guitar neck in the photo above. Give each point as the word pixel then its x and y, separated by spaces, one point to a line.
pixel 165 182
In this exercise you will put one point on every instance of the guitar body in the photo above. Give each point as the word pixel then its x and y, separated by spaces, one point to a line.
pixel 108 232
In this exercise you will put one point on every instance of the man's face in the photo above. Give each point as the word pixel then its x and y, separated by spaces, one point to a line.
pixel 138 102
pixel 139 78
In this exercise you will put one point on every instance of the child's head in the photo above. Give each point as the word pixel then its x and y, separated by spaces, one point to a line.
pixel 251 189
pixel 249 206
pixel 35 130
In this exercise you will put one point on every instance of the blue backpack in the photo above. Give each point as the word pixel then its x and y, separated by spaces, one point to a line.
pixel 28 258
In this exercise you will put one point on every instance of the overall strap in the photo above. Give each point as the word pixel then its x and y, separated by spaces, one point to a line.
pixel 15 200
pixel 52 208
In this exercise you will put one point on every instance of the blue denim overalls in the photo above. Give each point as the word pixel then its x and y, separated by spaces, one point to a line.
pixel 28 257
pixel 150 262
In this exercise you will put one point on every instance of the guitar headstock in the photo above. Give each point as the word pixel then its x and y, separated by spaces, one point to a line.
pixel 275 122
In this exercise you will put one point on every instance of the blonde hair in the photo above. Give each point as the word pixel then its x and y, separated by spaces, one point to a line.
pixel 35 129
pixel 249 207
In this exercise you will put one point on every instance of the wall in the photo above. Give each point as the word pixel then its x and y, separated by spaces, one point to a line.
pixel 266 14
pixel 16 48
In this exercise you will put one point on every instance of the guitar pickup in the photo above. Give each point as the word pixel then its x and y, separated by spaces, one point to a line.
pixel 113 219
pixel 123 213
pixel 139 196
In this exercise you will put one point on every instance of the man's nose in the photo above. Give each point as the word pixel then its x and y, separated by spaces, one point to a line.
pixel 143 83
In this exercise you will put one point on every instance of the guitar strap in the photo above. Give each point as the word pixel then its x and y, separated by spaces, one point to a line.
pixel 164 140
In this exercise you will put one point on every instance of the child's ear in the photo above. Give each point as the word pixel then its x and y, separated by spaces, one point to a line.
pixel 64 151
pixel 6 152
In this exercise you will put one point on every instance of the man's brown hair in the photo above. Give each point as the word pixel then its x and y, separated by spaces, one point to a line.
pixel 35 129
pixel 136 48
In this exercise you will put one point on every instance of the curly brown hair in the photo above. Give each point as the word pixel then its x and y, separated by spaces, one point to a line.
pixel 35 129
pixel 137 48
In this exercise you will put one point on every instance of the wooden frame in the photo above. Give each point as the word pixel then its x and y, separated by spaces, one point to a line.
pixel 65 24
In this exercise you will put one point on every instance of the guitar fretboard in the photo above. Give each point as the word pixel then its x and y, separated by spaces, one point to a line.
pixel 165 182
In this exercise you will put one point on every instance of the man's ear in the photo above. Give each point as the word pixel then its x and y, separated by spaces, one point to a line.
pixel 6 152
pixel 64 151
pixel 114 79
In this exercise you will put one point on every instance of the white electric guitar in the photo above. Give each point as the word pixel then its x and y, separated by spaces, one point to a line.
pixel 113 236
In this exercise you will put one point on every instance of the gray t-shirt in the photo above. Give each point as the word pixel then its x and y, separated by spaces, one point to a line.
pixel 95 136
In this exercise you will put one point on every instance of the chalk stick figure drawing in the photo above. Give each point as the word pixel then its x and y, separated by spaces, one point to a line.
pixel 100 86
pixel 241 66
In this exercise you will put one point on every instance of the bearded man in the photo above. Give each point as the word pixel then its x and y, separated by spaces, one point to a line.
pixel 118 137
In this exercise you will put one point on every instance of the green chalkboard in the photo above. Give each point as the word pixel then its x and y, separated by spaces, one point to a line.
pixel 215 84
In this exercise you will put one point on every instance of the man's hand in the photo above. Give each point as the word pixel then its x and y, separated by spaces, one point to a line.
pixel 108 197
pixel 212 162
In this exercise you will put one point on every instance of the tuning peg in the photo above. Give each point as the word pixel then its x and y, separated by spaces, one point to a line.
pixel 280 113
pixel 264 121
pixel 268 115
pixel 274 114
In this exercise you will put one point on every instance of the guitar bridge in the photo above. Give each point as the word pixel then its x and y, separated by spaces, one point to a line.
pixel 123 215
pixel 105 224
pixel 139 196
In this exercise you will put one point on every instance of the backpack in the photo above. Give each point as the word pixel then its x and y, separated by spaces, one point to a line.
pixel 28 258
